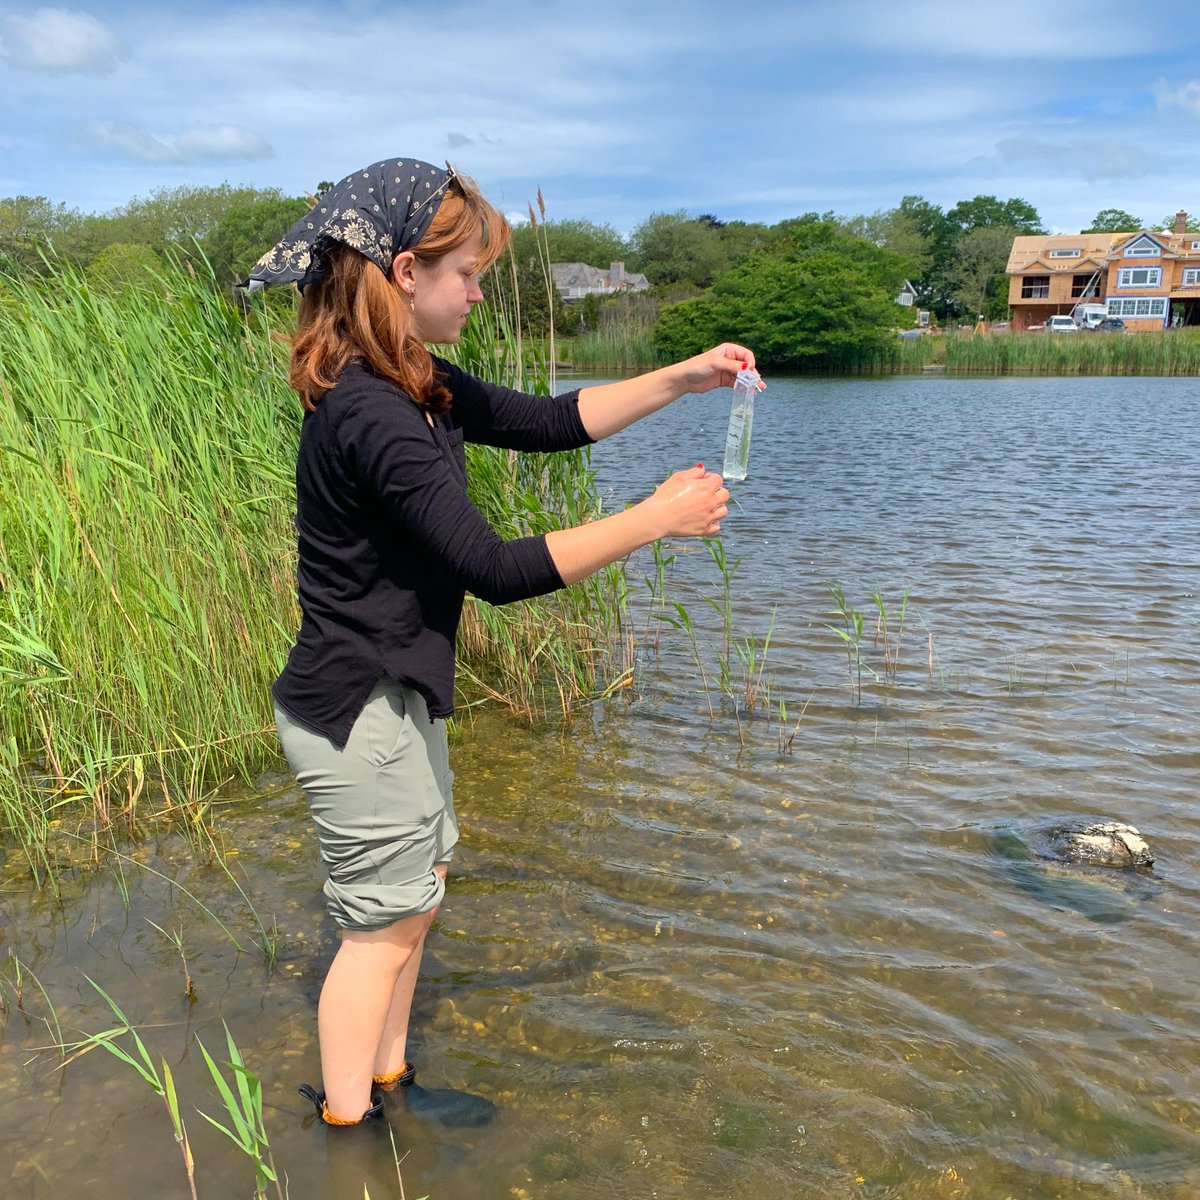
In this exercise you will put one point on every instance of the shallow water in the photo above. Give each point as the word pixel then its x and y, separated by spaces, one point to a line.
pixel 686 964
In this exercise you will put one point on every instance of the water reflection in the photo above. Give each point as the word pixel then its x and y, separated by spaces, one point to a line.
pixel 684 964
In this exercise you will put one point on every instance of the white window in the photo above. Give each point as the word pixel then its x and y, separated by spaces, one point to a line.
pixel 1143 247
pixel 1143 306
pixel 1191 276
pixel 1196 245
pixel 1140 277
pixel 1065 253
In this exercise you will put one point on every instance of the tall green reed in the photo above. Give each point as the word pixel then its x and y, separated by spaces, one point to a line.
pixel 618 349
pixel 1172 352
pixel 146 580
pixel 147 446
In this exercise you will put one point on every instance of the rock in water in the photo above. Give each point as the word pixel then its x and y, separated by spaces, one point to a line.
pixel 1091 865
pixel 1096 844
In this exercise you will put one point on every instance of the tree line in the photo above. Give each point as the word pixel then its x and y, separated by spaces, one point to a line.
pixel 806 287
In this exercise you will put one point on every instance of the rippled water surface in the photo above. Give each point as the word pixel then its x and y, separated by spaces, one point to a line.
pixel 758 954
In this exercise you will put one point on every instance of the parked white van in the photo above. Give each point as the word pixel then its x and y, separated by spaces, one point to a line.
pixel 1089 316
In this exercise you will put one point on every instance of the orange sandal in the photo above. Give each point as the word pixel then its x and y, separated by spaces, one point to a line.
pixel 402 1078
pixel 318 1099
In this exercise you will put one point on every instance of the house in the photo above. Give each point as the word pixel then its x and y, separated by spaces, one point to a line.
pixel 576 280
pixel 1150 279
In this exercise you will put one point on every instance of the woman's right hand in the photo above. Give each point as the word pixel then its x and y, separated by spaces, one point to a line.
pixel 690 503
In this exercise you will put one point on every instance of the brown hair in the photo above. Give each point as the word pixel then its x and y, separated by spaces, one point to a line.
pixel 356 314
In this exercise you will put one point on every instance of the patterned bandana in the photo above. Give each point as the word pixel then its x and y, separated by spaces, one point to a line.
pixel 380 210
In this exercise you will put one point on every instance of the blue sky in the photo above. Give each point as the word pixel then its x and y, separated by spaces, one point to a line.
pixel 616 109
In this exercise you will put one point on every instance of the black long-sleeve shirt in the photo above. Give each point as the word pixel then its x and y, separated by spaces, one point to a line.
pixel 389 541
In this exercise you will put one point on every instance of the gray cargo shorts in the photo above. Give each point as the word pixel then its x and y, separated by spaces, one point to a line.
pixel 383 807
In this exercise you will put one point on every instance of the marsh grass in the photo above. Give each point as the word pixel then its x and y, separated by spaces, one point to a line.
pixel 238 1089
pixel 15 976
pixel 889 630
pixel 850 632
pixel 161 1081
pixel 1171 352
pixel 620 349
pixel 147 449
pixel 241 1096
pixel 143 563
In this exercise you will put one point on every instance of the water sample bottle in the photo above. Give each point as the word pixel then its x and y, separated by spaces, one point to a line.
pixel 741 418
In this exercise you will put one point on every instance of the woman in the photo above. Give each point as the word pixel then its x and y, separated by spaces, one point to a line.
pixel 389 260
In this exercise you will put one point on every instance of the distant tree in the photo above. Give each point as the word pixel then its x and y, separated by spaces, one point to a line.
pixel 979 260
pixel 948 286
pixel 675 248
pixel 900 231
pixel 816 294
pixel 982 211
pixel 246 231
pixel 1114 220
pixel 29 227
pixel 1192 225
pixel 182 216
pixel 790 225
pixel 120 266
pixel 739 238
pixel 571 241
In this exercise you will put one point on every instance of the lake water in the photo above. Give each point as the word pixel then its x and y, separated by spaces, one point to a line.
pixel 745 954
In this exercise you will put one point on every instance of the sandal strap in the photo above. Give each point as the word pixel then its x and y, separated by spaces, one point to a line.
pixel 317 1099
pixel 402 1078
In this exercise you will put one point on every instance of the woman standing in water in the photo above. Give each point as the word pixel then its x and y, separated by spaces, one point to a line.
pixel 389 260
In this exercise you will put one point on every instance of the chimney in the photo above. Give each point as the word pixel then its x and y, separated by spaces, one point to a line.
pixel 1181 221
pixel 616 274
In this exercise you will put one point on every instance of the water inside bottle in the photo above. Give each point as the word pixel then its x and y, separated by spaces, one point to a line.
pixel 741 419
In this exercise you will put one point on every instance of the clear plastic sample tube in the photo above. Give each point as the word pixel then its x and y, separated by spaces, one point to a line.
pixel 741 419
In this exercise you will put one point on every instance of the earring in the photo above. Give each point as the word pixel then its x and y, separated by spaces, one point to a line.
pixel 412 300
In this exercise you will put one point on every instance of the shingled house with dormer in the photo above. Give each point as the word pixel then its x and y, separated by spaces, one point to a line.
pixel 1150 279
pixel 576 280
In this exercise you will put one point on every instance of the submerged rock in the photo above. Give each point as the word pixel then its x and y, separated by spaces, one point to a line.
pixel 1091 865
pixel 1093 844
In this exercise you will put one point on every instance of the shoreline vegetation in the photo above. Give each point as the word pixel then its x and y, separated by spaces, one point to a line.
pixel 1171 352
pixel 147 444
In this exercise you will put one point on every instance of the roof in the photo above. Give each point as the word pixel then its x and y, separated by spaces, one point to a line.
pixel 577 274
pixel 1032 251
pixel 580 275
pixel 1029 250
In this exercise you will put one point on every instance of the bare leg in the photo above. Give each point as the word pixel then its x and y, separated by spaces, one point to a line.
pixel 354 1007
pixel 393 1045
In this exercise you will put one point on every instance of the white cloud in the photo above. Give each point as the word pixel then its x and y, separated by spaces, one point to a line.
pixel 1108 158
pixel 59 41
pixel 192 145
pixel 1185 96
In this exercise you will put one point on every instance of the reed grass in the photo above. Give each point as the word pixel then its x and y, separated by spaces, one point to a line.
pixel 618 349
pixel 147 595
pixel 1172 352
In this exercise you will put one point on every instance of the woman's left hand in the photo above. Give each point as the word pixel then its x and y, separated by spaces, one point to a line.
pixel 714 368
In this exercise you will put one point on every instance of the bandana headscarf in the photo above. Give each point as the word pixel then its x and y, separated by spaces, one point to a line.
pixel 380 211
